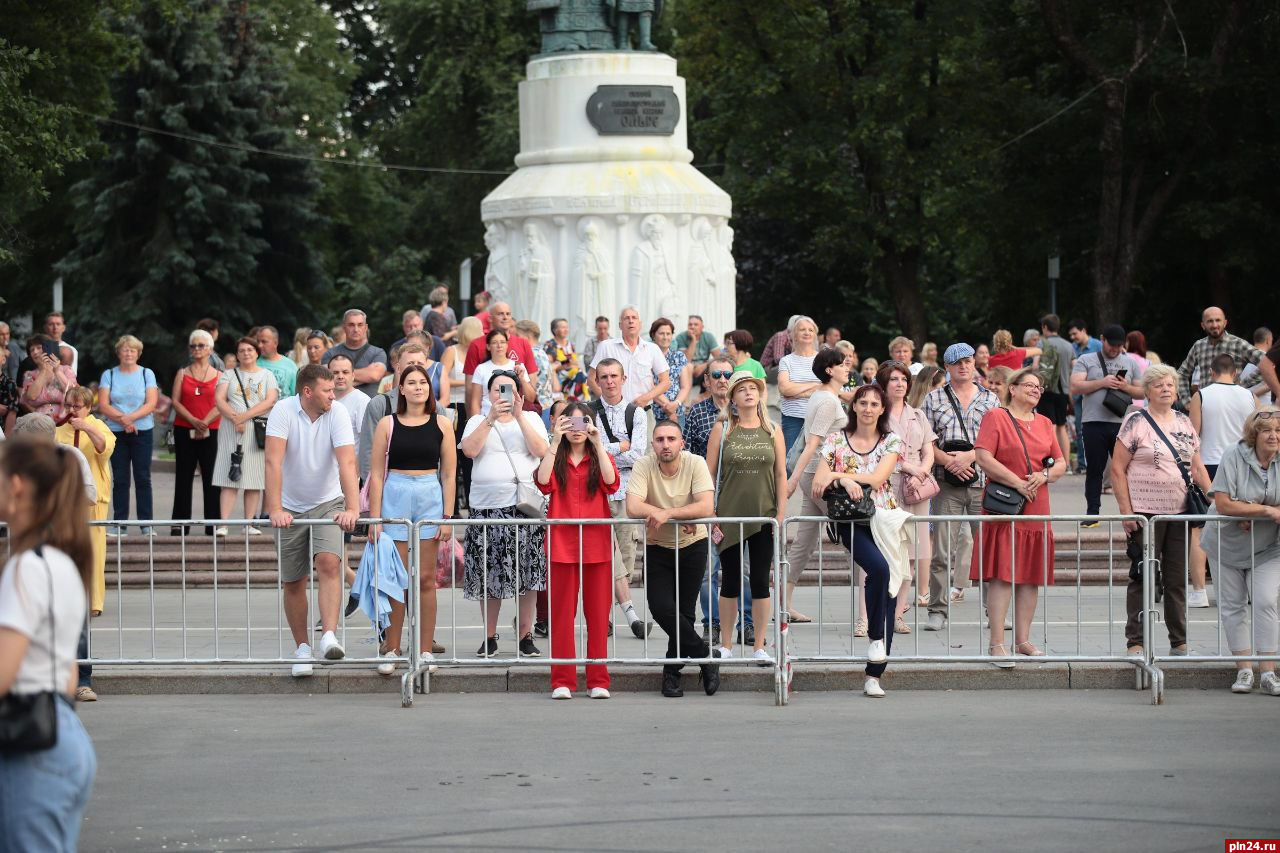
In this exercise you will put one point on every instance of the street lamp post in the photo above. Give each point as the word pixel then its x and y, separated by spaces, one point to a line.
pixel 1054 269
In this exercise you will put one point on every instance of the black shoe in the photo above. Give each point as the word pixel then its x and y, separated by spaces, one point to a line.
pixel 540 628
pixel 715 635
pixel 527 648
pixel 671 685
pixel 641 629
pixel 746 635
pixel 709 675
pixel 353 604
pixel 489 648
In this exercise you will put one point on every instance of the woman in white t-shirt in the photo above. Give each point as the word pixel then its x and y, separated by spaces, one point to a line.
pixel 499 346
pixel 504 560
pixel 42 609
pixel 796 379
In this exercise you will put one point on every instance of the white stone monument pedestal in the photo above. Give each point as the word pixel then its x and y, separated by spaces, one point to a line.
pixel 604 210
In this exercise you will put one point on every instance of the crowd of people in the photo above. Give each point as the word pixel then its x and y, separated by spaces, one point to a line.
pixel 484 418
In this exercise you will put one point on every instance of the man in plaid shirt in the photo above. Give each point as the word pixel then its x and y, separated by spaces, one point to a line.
pixel 1217 340
pixel 953 543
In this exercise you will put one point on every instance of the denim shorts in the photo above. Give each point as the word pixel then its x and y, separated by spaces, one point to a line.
pixel 43 794
pixel 416 497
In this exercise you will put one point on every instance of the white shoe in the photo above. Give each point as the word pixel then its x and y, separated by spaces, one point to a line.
pixel 1269 684
pixel 762 657
pixel 598 693
pixel 219 531
pixel 388 666
pixel 872 688
pixel 253 531
pixel 877 654
pixel 562 693
pixel 1244 681
pixel 302 654
pixel 431 667
pixel 725 653
pixel 1197 598
pixel 330 648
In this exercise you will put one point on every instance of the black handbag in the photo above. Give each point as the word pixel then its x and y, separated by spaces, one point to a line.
pixel 1197 501
pixel 955 445
pixel 259 423
pixel 29 721
pixel 842 507
pixel 999 499
pixel 1115 402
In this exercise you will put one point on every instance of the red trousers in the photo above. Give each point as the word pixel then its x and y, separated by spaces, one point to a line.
pixel 597 598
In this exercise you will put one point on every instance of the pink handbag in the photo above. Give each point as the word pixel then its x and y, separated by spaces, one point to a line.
pixel 364 488
pixel 914 492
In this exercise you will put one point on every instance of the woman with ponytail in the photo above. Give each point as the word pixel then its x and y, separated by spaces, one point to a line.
pixel 579 475
pixel 42 609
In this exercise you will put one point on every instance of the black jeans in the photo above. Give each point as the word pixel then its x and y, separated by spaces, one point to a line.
pixel 188 455
pixel 84 671
pixel 1099 439
pixel 665 591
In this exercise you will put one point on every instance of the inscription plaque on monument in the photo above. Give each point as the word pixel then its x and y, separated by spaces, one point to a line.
pixel 626 110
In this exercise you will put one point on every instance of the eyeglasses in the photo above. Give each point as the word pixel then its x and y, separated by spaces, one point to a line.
pixel 720 374
pixel 198 346
pixel 1031 387
pixel 1266 416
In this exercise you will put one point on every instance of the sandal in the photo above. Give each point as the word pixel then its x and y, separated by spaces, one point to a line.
pixel 860 627
pixel 900 626
pixel 1007 663
pixel 798 617
pixel 922 600
pixel 1034 653
pixel 1134 651
pixel 957 595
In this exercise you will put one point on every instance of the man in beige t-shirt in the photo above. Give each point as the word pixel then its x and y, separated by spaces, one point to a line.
pixel 668 487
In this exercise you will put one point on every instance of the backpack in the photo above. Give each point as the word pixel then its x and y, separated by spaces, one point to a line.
pixel 629 414
pixel 1050 376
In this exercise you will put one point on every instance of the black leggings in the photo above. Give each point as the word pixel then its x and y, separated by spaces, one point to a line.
pixel 760 546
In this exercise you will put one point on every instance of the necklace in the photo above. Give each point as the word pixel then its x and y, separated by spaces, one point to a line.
pixel 200 380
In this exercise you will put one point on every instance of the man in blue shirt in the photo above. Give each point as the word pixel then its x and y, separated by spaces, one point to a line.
pixel 1081 344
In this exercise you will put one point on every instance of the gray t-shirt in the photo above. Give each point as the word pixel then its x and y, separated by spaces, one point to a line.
pixel 1062 349
pixel 360 357
pixel 825 414
pixel 1090 365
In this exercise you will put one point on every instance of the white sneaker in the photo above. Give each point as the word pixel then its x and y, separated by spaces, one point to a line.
pixel 388 666
pixel 877 654
pixel 762 657
pixel 872 688
pixel 253 531
pixel 725 653
pixel 599 693
pixel 219 531
pixel 1197 598
pixel 562 693
pixel 431 667
pixel 1244 681
pixel 330 648
pixel 1269 684
pixel 302 654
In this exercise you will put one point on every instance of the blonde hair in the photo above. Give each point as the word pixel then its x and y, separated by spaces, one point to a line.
pixel 1252 424
pixel 80 394
pixel 1155 373
pixel 1001 341
pixel 468 330
pixel 729 415
pixel 529 329
pixel 846 347
pixel 128 341
pixel 1004 375
pixel 902 341
pixel 928 378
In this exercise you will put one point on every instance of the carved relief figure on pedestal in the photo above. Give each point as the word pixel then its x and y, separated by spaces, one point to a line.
pixel 701 294
pixel 536 299
pixel 642 13
pixel 497 273
pixel 591 282
pixel 653 287
pixel 571 25
pixel 728 273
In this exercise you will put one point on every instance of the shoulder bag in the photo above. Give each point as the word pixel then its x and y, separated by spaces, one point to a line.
pixel 259 422
pixel 999 499
pixel 840 505
pixel 1197 500
pixel 717 535
pixel 530 502
pixel 29 721
pixel 364 487
pixel 1115 402
pixel 914 492
pixel 955 445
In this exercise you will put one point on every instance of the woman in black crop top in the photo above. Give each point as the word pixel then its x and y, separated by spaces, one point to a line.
pixel 411 476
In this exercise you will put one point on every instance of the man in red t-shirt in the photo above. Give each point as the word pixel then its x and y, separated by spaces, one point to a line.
pixel 519 348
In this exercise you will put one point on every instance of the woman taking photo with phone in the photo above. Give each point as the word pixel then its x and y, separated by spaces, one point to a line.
pixel 92 438
pixel 245 392
pixel 45 784
pixel 412 476
pixel 579 475
pixel 44 388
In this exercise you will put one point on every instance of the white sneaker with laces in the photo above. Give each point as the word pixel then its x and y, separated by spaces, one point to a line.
pixel 219 531
pixel 330 648
pixel 599 693
pixel 1244 682
pixel 388 665
pixel 1269 684
pixel 562 693
pixel 876 652
pixel 762 657
pixel 1197 598
pixel 431 667
pixel 872 688
pixel 302 654
pixel 725 653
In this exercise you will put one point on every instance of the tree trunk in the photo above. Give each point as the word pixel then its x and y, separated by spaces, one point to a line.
pixel 1110 286
pixel 899 270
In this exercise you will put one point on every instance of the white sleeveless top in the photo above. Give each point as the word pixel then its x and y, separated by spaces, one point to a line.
pixel 457 381
pixel 1223 409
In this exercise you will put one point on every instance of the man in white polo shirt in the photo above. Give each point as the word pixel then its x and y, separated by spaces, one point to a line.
pixel 648 375
pixel 311 474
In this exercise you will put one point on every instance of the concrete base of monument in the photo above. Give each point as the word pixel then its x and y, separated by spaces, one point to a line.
pixel 637 679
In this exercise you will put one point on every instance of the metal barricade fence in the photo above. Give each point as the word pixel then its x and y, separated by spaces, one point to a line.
pixel 680 617
pixel 1071 623
pixel 1246 592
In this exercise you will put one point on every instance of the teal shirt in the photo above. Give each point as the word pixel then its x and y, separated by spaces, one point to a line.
pixel 285 372
pixel 706 343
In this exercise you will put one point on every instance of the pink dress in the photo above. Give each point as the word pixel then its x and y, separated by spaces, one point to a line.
pixel 1024 554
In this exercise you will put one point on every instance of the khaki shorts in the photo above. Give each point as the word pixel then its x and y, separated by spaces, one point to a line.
pixel 300 543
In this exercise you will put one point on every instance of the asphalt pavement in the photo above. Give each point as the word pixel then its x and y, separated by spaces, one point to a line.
pixel 936 771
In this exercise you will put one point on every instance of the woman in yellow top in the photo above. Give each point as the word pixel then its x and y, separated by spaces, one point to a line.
pixel 92 437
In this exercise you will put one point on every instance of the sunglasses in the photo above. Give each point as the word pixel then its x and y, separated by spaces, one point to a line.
pixel 720 374
pixel 198 346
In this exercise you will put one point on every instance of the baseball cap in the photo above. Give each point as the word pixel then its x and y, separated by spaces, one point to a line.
pixel 1114 334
